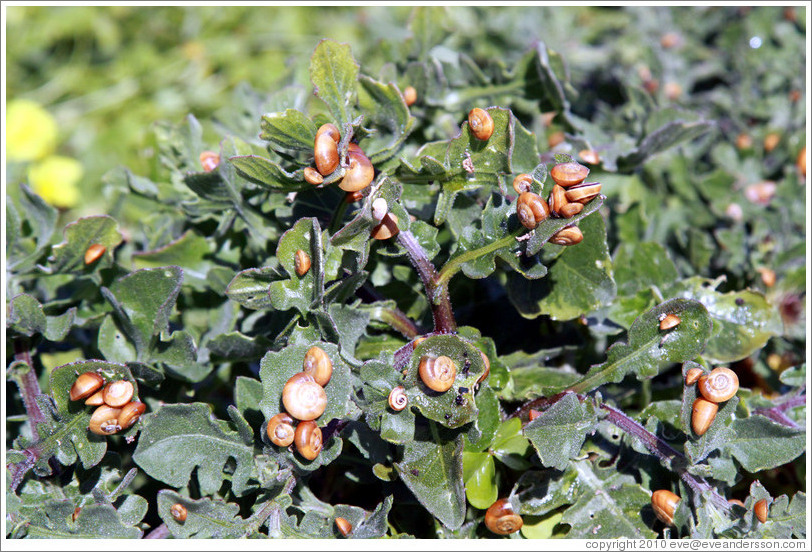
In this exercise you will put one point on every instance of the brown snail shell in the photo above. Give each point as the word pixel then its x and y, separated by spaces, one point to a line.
pixel 410 95
pixel 720 385
pixel 569 174
pixel 379 209
pixel 94 253
pixel 130 414
pixel 301 262
pixel 96 399
pixel 665 504
pixel 523 183
pixel 762 510
pixel 209 160
pixel 583 193
pixel 76 513
pixel 303 398
pixel 569 235
pixel 501 519
pixel 557 199
pixel 178 512
pixel 533 414
pixel 325 152
pixel 312 176
pixel 398 399
pixel 737 502
pixel 487 367
pixel 771 141
pixel 387 228
pixel 118 393
pixel 344 526
pixel 330 130
pixel 318 364
pixel 280 429
pixel 85 385
pixel 800 161
pixel 589 156
pixel 693 375
pixel 438 373
pixel 481 123
pixel 703 413
pixel 669 321
pixel 531 210
pixel 360 172
pixel 352 197
pixel 307 439
pixel 104 420
pixel 571 209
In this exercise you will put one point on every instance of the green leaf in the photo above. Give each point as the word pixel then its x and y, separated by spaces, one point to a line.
pixel 530 379
pixel 558 433
pixel 290 130
pixel 334 74
pixel 267 173
pixel 26 316
pixel 189 251
pixel 760 444
pixel 649 348
pixel 641 266
pixel 300 292
pixel 479 474
pixel 69 256
pixel 250 287
pixel 550 226
pixel 179 438
pixel 661 139
pixel 577 282
pixel 205 518
pixel 54 521
pixel 432 469
pixel 388 111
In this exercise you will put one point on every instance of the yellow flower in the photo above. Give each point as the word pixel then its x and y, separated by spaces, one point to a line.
pixel 54 179
pixel 31 131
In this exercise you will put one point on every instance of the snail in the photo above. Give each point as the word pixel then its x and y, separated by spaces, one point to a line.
pixel 94 253
pixel 307 439
pixel 280 429
pixel 702 414
pixel 312 176
pixel 736 502
pixel 398 399
pixel 583 192
pixel 438 373
pixel 664 503
pixel 761 509
pixel 557 199
pixel 800 161
pixel 85 385
pixel 693 375
pixel 96 399
pixel 569 174
pixel 767 276
pixel 669 321
pixel 209 160
pixel 487 367
pixel 344 526
pixel 501 519
pixel 387 228
pixel 301 262
pixel 330 130
pixel 75 513
pixel 325 151
pixel 318 364
pixel 589 156
pixel 409 95
pixel 360 172
pixel 104 420
pixel 533 414
pixel 417 341
pixel 304 399
pixel 117 393
pixel 771 141
pixel 719 386
pixel 352 197
pixel 178 512
pixel 523 183
pixel 481 123
pixel 130 414
pixel 569 235
pixel 379 209
pixel 571 209
pixel 531 210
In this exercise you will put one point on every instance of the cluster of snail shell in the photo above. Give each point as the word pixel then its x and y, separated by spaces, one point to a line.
pixel 720 385
pixel 115 408
pixel 304 400
pixel 665 503
pixel 569 195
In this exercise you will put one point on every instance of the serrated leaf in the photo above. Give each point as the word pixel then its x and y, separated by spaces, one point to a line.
pixel 189 251
pixel 530 379
pixel 650 348
pixel 301 292
pixel 760 444
pixel 334 74
pixel 53 521
pixel 26 316
pixel 68 256
pixel 388 110
pixel 179 438
pixel 205 518
pixel 664 137
pixel 290 130
pixel 266 173
pixel 558 433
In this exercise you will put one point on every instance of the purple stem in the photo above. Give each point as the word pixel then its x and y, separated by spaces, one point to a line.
pixel 160 532
pixel 776 413
pixel 29 387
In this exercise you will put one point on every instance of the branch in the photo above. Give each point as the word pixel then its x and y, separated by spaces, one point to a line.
pixel 29 386
pixel 776 413
pixel 392 316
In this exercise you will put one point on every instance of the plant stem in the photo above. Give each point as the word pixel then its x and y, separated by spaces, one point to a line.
pixel 29 386
pixel 776 413
pixel 444 321
pixel 393 316
pixel 454 265
pixel 160 532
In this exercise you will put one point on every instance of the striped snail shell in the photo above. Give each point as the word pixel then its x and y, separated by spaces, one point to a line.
pixel 398 398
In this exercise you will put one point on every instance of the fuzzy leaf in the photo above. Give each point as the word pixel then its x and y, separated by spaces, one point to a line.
pixel 290 130
pixel 760 444
pixel 334 74
pixel 205 518
pixel 558 433
pixel 96 521
pixel 266 173
pixel 26 316
pixel 300 292
pixel 69 255
pixel 189 251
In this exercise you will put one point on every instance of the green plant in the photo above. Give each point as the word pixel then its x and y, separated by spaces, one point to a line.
pixel 565 347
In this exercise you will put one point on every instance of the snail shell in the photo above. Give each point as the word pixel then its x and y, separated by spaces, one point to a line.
pixel 330 130
pixel 762 510
pixel 387 228
pixel 308 440
pixel 379 209
pixel 117 393
pixel 85 385
pixel 693 375
pixel 130 414
pixel 94 253
pixel 737 502
pixel 96 399
pixel 569 174
pixel 352 197
pixel 557 199
pixel 720 385
pixel 523 183
pixel 104 420
pixel 583 193
pixel 531 210
pixel 669 321
pixel 325 152
pixel 534 414
pixel 344 526
pixel 501 519
pixel 665 504
pixel 487 367
pixel 312 176
pixel 398 399
pixel 360 172
pixel 301 262
pixel 481 123
pixel 303 398
pixel 209 160
pixel 800 161
pixel 571 209
pixel 318 364
pixel 178 512
pixel 703 413
pixel 589 156
pixel 438 373
pixel 409 95
pixel 569 235
pixel 280 429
